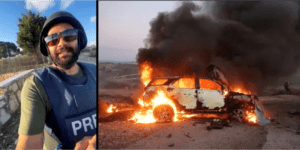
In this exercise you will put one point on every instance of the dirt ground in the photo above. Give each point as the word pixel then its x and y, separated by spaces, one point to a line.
pixel 279 134
pixel 117 87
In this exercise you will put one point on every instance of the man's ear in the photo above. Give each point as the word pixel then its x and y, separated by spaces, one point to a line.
pixel 47 49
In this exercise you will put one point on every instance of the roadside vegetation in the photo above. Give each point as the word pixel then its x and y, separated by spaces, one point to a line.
pixel 20 63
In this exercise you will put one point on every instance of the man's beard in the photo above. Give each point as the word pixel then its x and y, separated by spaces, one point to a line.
pixel 68 62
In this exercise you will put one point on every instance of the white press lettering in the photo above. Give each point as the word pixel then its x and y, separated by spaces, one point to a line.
pixel 87 122
pixel 75 128
pixel 94 120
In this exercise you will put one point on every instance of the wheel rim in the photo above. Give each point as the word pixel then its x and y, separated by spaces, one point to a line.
pixel 164 113
pixel 239 114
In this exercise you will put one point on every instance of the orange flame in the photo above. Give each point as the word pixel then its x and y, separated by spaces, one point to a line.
pixel 188 115
pixel 112 108
pixel 251 117
pixel 239 90
pixel 185 83
pixel 146 113
pixel 142 103
pixel 146 116
pixel 146 72
pixel 225 93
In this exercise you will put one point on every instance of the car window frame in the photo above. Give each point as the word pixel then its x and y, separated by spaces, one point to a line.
pixel 222 86
pixel 170 80
pixel 150 83
pixel 195 80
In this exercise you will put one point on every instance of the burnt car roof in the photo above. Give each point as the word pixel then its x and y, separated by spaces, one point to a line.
pixel 172 78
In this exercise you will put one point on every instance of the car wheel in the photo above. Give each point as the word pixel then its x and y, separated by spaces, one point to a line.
pixel 239 114
pixel 163 113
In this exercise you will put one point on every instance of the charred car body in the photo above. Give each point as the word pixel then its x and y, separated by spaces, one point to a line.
pixel 200 97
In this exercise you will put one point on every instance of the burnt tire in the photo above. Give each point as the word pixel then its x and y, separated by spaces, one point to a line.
pixel 163 113
pixel 239 114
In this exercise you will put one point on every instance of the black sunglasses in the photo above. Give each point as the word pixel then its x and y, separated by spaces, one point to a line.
pixel 68 35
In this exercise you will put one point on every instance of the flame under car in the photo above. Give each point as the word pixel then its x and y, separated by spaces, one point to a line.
pixel 199 98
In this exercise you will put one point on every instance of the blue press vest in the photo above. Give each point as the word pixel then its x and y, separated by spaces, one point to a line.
pixel 73 102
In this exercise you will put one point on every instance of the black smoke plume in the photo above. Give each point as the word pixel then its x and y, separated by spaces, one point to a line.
pixel 254 43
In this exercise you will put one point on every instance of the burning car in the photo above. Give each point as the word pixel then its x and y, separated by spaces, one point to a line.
pixel 242 106
pixel 199 97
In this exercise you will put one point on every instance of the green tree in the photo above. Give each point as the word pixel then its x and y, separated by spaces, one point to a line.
pixel 3 51
pixel 18 50
pixel 29 31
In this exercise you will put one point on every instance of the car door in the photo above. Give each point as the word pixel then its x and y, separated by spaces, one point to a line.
pixel 210 94
pixel 186 92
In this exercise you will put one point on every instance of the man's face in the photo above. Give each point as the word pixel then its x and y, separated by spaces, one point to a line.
pixel 64 53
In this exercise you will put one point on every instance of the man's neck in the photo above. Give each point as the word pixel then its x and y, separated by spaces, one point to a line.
pixel 73 70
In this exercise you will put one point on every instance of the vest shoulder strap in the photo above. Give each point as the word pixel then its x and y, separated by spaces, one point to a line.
pixel 89 67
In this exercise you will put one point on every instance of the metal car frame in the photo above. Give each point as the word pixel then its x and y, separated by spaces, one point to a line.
pixel 219 113
pixel 235 103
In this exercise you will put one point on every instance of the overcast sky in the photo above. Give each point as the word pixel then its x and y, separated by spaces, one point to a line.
pixel 123 26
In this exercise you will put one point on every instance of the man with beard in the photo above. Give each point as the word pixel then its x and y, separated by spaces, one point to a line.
pixel 58 103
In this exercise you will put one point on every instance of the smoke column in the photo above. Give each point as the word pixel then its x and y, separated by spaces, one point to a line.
pixel 253 43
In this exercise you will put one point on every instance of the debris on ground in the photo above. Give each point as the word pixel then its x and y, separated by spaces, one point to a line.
pixel 216 124
pixel 171 145
pixel 208 128
pixel 170 135
pixel 187 135
pixel 227 123
pixel 298 131
pixel 293 112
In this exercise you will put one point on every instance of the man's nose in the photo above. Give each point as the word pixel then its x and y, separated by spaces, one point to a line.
pixel 61 41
